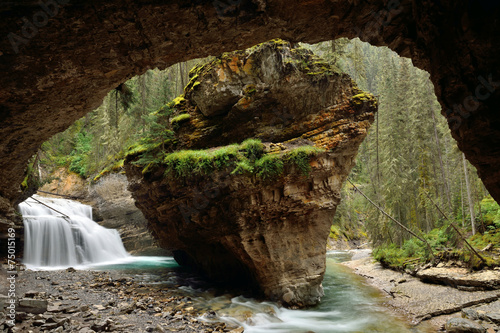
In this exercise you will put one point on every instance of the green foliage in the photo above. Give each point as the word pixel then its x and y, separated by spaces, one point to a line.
pixel 301 157
pixel 334 232
pixel 480 241
pixel 253 149
pixel 79 156
pixel 96 144
pixel 269 166
pixel 491 212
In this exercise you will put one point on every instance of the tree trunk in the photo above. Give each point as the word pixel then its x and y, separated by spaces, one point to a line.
pixel 469 196
pixel 438 144
pixel 462 200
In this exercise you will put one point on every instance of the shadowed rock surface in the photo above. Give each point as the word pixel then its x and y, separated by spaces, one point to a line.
pixel 245 225
pixel 56 73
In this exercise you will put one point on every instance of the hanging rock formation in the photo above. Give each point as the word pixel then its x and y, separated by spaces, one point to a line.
pixel 256 212
pixel 60 67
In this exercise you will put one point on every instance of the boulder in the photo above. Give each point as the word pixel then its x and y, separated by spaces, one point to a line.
pixel 255 213
pixel 31 305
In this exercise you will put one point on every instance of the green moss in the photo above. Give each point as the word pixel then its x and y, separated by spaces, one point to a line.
pixel 179 120
pixel 186 163
pixel 301 157
pixel 243 167
pixel 363 97
pixel 488 237
pixel 116 167
pixel 253 149
pixel 179 101
pixel 269 166
pixel 24 184
pixel 334 232
pixel 249 157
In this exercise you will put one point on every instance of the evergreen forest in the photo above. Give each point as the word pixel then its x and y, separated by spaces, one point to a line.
pixel 424 198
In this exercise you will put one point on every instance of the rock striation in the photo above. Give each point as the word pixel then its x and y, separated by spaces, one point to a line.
pixel 260 211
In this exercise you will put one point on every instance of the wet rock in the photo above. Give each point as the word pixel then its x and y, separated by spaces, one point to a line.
pixel 462 325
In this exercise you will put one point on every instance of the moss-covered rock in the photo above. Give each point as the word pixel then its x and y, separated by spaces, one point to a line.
pixel 246 191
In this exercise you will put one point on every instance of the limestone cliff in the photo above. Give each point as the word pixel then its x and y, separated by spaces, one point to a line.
pixel 256 212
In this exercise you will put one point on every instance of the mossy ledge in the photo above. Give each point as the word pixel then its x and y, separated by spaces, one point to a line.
pixel 249 158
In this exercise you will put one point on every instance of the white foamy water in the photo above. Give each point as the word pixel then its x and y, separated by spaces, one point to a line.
pixel 66 235
pixel 349 306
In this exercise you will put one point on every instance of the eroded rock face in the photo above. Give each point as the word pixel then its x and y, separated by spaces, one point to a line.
pixel 57 71
pixel 269 231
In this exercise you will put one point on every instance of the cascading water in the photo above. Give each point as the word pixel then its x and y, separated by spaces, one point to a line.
pixel 66 235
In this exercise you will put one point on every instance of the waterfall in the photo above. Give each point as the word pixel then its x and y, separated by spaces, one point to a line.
pixel 66 236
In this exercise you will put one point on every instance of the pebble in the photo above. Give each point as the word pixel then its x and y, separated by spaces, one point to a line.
pixel 89 302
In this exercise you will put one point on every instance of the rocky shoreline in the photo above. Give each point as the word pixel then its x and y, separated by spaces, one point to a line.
pixel 97 301
pixel 438 306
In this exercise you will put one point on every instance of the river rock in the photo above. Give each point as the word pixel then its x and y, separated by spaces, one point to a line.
pixel 493 317
pixel 462 325
pixel 269 233
pixel 31 305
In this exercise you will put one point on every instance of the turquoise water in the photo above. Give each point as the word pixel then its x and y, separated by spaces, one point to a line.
pixel 350 305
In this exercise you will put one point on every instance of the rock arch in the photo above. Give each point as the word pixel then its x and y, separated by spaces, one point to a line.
pixel 58 58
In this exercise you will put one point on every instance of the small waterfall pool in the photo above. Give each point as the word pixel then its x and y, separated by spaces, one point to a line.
pixel 65 235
